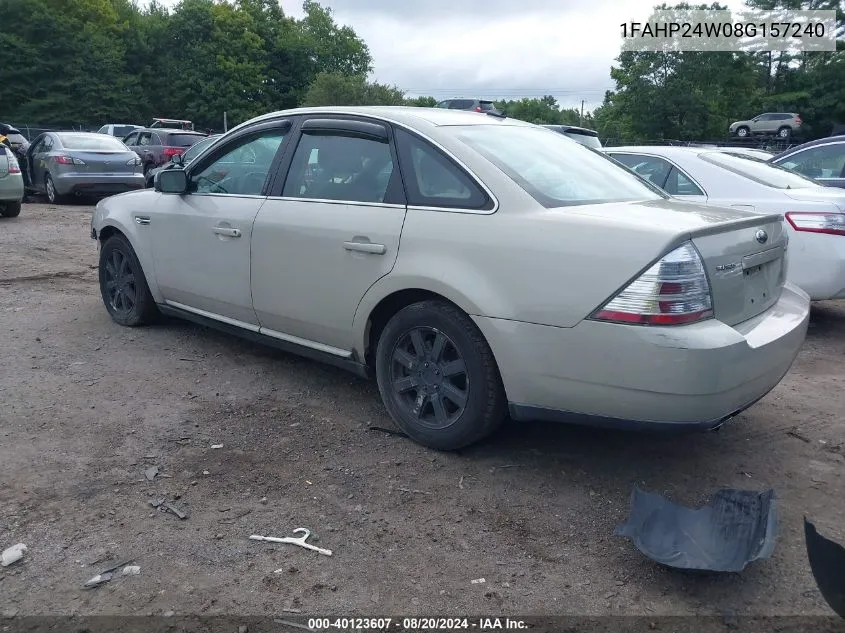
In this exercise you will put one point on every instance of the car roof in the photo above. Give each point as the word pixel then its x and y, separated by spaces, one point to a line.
pixel 665 150
pixel 407 115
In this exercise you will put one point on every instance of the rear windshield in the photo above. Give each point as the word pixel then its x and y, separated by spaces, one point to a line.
pixel 553 170
pixel 759 170
pixel 585 138
pixel 123 130
pixel 183 140
pixel 91 142
pixel 486 105
pixel 198 147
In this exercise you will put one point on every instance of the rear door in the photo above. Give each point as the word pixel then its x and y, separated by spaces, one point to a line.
pixel 327 234
pixel 149 148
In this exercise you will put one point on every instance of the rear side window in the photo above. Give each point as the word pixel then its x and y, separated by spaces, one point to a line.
pixel 655 170
pixel 183 140
pixel 432 179
pixel 461 104
pixel 679 184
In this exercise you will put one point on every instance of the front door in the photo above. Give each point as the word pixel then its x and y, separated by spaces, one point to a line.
pixel 824 163
pixel 331 233
pixel 202 239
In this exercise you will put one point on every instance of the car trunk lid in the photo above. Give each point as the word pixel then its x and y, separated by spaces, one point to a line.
pixel 104 161
pixel 745 264
pixel 832 195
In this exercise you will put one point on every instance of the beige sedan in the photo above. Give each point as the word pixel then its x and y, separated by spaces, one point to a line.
pixel 477 266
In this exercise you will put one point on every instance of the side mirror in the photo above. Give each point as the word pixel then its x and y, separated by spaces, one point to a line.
pixel 171 181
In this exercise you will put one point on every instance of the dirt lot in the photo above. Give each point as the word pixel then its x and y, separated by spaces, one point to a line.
pixel 86 406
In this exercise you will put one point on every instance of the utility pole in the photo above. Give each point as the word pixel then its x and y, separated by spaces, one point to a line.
pixel 581 119
pixel 225 123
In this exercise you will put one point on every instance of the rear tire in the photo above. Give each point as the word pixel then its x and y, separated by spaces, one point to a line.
pixel 10 209
pixel 50 187
pixel 742 132
pixel 784 132
pixel 438 378
pixel 123 286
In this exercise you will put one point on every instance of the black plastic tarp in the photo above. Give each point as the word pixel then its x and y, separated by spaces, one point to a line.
pixel 827 560
pixel 735 528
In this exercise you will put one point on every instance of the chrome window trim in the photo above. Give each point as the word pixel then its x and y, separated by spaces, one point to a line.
pixel 671 162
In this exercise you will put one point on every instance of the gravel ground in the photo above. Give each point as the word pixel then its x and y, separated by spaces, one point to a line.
pixel 87 406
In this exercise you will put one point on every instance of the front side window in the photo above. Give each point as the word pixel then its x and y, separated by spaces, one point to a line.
pixel 335 167
pixel 192 152
pixel 145 139
pixel 243 169
pixel 827 161
pixel 132 139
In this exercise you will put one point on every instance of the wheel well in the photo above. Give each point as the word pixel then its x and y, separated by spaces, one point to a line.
pixel 385 310
pixel 107 232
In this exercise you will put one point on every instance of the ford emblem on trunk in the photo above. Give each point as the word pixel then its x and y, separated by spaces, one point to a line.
pixel 761 236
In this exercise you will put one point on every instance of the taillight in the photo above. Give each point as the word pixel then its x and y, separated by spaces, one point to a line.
pixel 14 166
pixel 67 160
pixel 674 291
pixel 170 152
pixel 478 108
pixel 134 161
pixel 798 120
pixel 805 221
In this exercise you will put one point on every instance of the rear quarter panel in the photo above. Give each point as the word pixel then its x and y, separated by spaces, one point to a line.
pixel 551 267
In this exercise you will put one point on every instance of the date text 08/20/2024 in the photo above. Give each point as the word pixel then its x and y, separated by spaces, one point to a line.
pixel 416 624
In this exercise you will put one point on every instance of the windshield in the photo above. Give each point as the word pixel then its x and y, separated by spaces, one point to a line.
pixel 123 130
pixel 95 142
pixel 196 148
pixel 759 170
pixel 555 171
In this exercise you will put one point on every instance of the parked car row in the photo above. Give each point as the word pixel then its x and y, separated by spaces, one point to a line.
pixel 475 265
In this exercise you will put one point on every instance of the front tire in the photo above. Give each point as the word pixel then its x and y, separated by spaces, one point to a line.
pixel 742 132
pixel 784 132
pixel 124 288
pixel 438 378
pixel 10 209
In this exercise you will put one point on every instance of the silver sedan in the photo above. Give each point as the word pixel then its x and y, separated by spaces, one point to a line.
pixel 475 265
pixel 62 164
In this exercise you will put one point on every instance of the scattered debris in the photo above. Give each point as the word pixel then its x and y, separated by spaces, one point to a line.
pixel 388 431
pixel 413 491
pixel 215 446
pixel 105 576
pixel 294 540
pixel 151 473
pixel 205 472
pixel 130 570
pixel 243 629
pixel 12 554
pixel 292 610
pixel 163 506
pixel 296 625
pixel 478 581
pixel 192 360
pixel 734 529
pixel 794 432
pixel 827 562
pixel 461 482
pixel 263 501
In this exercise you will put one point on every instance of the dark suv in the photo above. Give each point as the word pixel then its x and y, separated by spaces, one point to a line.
pixel 159 145
pixel 476 105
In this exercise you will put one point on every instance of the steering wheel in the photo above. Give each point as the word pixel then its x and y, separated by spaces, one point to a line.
pixel 215 187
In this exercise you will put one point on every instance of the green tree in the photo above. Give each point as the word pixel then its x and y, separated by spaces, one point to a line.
pixel 422 102
pixel 345 90
pixel 333 49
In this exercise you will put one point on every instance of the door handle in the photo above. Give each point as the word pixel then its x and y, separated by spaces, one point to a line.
pixel 142 220
pixel 222 230
pixel 366 247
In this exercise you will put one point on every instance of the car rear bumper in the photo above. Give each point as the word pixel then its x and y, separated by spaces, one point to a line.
pixel 97 184
pixel 11 188
pixel 817 264
pixel 609 374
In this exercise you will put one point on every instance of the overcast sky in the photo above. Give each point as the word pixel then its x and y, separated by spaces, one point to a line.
pixel 492 48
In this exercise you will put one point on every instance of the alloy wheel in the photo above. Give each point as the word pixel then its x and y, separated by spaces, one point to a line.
pixel 121 287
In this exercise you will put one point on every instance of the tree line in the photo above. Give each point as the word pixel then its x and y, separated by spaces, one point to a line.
pixel 89 62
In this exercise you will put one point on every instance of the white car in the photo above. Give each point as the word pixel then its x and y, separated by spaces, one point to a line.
pixel 814 214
